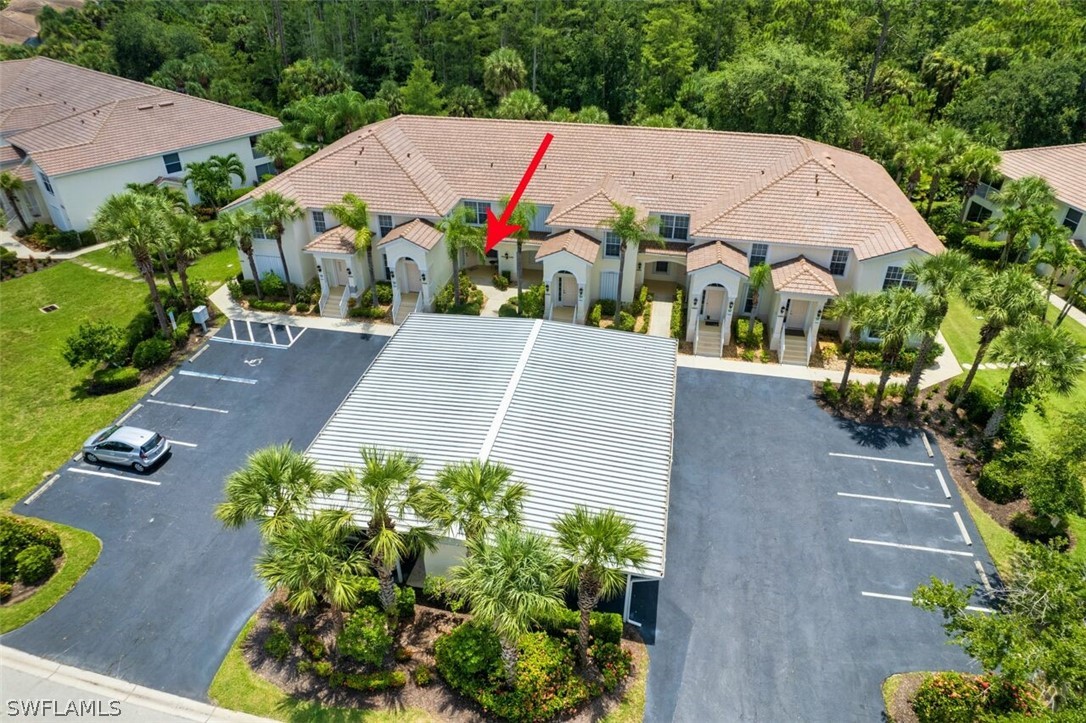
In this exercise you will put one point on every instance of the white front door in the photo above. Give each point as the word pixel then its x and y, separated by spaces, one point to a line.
pixel 609 285
pixel 340 267
pixel 413 280
pixel 797 314
pixel 712 304
pixel 567 290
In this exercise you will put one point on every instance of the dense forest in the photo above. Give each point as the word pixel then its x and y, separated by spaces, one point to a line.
pixel 916 84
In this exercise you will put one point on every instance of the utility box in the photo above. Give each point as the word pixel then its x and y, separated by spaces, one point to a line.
pixel 200 316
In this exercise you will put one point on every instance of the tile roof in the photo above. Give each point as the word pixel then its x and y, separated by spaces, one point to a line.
pixel 733 185
pixel 1064 167
pixel 8 154
pixel 717 252
pixel 800 276
pixel 338 240
pixel 70 118
pixel 671 248
pixel 419 232
pixel 575 242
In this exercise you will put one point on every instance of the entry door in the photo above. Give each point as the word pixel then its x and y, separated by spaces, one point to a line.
pixel 341 272
pixel 797 314
pixel 712 303
pixel 567 290
pixel 414 278
pixel 609 285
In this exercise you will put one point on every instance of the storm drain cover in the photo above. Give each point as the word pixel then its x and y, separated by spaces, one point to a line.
pixel 49 309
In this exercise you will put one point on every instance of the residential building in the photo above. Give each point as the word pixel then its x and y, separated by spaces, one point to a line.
pixel 563 406
pixel 76 136
pixel 827 220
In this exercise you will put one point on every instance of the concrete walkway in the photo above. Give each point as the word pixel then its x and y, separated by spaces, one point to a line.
pixel 1074 313
pixel 104 270
pixel 27 681
pixel 232 310
pixel 660 323
pixel 8 241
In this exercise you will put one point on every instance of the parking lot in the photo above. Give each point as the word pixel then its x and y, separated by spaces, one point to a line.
pixel 795 541
pixel 172 588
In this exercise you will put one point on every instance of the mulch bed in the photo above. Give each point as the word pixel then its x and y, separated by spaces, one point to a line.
pixel 20 592
pixel 23 267
pixel 417 638
pixel 901 705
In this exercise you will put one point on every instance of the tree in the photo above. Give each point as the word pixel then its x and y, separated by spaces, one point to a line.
pixel 1054 486
pixel 856 308
pixel 460 235
pixel 275 487
pixel 1041 359
pixel 977 163
pixel 503 72
pixel 521 104
pixel 353 214
pixel 523 215
pixel 510 583
pixel 473 498
pixel 668 53
pixel 387 485
pixel 9 184
pixel 895 316
pixel 950 144
pixel 421 94
pixel 1056 252
pixel 463 101
pixel 275 211
pixel 239 226
pixel 97 342
pixel 1036 634
pixel 630 230
pixel 392 95
pixel 1004 299
pixel 1075 290
pixel 209 182
pixel 760 275
pixel 228 165
pixel 276 145
pixel 1025 203
pixel 595 549
pixel 312 77
pixel 941 277
pixel 187 241
pixel 132 224
pixel 312 558
pixel 592 114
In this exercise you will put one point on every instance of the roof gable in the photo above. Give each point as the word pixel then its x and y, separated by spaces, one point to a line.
pixel 800 276
pixel 583 247
pixel 717 252
pixel 419 232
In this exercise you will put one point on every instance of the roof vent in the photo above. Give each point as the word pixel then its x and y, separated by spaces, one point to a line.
pixel 165 104
pixel 816 178
pixel 409 155
pixel 816 193
pixel 145 107
pixel 633 173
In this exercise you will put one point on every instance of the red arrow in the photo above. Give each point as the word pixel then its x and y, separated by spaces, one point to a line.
pixel 500 228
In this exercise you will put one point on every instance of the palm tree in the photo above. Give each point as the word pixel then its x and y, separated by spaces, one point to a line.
pixel 206 181
pixel 276 210
pixel 510 584
pixel 895 316
pixel 459 235
pixel 187 241
pixel 977 163
pixel 313 560
pixel 1024 202
pixel 133 223
pixel 941 276
pixel 239 226
pixel 1056 252
pixel 175 198
pixel 276 145
pixel 1075 289
pixel 503 72
pixel 228 165
pixel 353 214
pixel 388 486
pixel 472 498
pixel 856 307
pixel 1005 299
pixel 275 486
pixel 760 275
pixel 595 548
pixel 630 229
pixel 523 215
pixel 464 101
pixel 1042 359
pixel 9 184
pixel 521 104
pixel 950 143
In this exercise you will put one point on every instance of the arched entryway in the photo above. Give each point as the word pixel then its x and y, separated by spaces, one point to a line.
pixel 409 276
pixel 714 304
pixel 564 296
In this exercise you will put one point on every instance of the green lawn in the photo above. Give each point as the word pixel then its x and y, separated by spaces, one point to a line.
pixel 215 268
pixel 961 329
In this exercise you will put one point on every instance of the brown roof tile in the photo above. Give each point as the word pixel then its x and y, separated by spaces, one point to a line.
pixel 717 252
pixel 338 240
pixel 800 276
pixel 575 242
pixel 1064 167
pixel 419 232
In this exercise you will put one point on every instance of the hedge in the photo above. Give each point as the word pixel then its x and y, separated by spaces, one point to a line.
pixel 625 322
pixel 959 697
pixel 279 306
pixel 114 379
pixel 981 249
pixel 869 355
pixel 34 565
pixel 384 292
pixel 367 312
pixel 372 682
pixel 678 317
pixel 16 535
pixel 999 481
pixel 151 352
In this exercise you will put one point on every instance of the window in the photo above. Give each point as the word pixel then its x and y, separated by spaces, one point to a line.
pixel 48 186
pixel 977 213
pixel 384 262
pixel 674 227
pixel 319 224
pixel 261 235
pixel 478 209
pixel 748 305
pixel 173 162
pixel 265 169
pixel 838 262
pixel 1072 219
pixel 758 254
pixel 385 223
pixel 612 246
pixel 896 276
pixel 663 267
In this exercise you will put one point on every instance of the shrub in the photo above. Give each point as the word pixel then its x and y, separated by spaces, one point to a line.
pixel 471 298
pixel 625 322
pixel 34 565
pixel 534 301
pixel 150 353
pixel 500 282
pixel 367 312
pixel 468 657
pixel 678 317
pixel 607 307
pixel 184 328
pixel 855 394
pixel 114 379
pixel 831 392
pixel 405 603
pixel 595 315
pixel 5 591
pixel 309 642
pixel 324 669
pixel 365 637
pixel 372 682
pixel 604 627
pixel 508 309
pixel 440 590
pixel 962 698
pixel 248 287
pixel 423 675
pixel 1040 529
pixel 302 307
pixel 273 286
pixel 97 342
pixel 749 337
pixel 384 292
pixel 612 662
pixel 637 306
pixel 277 644
pixel 999 481
pixel 982 249
pixel 979 402
pixel 16 535
pixel 236 292
pixel 278 306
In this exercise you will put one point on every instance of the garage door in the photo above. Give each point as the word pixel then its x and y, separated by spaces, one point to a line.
pixel 266 263
pixel 609 285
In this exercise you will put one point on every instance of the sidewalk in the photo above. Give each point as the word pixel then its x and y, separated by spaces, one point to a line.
pixel 27 681
pixel 1074 313
pixel 221 299
pixel 8 241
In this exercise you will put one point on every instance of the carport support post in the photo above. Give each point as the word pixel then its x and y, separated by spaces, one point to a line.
pixel 629 597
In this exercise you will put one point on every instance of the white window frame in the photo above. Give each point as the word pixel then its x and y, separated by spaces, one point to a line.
pixel 836 262
pixel 675 226
pixel 385 224
pixel 479 207
pixel 612 240
pixel 167 163
pixel 1068 223
pixel 748 303
pixel 896 276
pixel 320 223
pixel 260 234
pixel 764 255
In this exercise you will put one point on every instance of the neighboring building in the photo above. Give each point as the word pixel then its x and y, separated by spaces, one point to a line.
pixel 76 136
pixel 19 19
pixel 828 220
pixel 1064 167
pixel 563 406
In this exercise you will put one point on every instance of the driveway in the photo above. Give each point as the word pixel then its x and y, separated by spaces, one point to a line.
pixel 794 543
pixel 172 588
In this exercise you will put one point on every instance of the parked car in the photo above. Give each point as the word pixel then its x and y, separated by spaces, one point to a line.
pixel 138 448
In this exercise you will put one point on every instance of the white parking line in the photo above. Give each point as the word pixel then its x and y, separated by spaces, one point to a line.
pixel 961 526
pixel 249 324
pixel 217 377
pixel 271 330
pixel 115 476
pixel 189 406
pixel 902 598
pixel 233 331
pixel 910 547
pixel 129 413
pixel 894 499
pixel 882 459
pixel 41 489
pixel 290 337
pixel 159 388
pixel 983 576
pixel 942 483
pixel 183 444
pixel 204 348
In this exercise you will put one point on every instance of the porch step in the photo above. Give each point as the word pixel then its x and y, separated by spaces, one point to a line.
pixel 331 307
pixel 795 354
pixel 708 341
pixel 402 313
